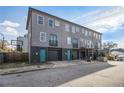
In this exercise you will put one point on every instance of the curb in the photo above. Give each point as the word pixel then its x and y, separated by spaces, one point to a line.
pixel 7 73
pixel 15 71
pixel 33 68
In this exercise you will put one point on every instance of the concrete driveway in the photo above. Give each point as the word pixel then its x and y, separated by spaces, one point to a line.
pixel 94 74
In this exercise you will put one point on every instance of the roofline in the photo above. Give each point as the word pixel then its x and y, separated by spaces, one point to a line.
pixel 32 9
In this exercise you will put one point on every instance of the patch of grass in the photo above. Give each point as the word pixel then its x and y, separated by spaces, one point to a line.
pixel 13 65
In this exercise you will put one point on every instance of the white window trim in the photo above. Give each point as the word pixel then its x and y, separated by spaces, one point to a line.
pixel 69 40
pixel 58 22
pixel 89 33
pixel 94 35
pixel 44 37
pixel 77 29
pixel 66 27
pixel 99 45
pixel 99 37
pixel 74 29
pixel 86 33
pixel 38 19
pixel 53 22
pixel 83 31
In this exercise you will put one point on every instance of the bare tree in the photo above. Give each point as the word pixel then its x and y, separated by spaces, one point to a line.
pixel 4 47
pixel 109 45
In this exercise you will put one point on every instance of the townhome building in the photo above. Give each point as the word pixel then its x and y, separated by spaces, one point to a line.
pixel 51 38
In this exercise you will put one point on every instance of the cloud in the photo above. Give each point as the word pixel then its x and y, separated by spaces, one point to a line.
pixel 10 28
pixel 11 31
pixel 120 42
pixel 87 14
pixel 103 20
pixel 7 23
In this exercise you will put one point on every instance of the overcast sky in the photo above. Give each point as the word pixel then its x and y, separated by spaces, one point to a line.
pixel 108 20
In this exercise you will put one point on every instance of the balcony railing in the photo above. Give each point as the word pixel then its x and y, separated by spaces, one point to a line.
pixel 75 45
pixel 53 43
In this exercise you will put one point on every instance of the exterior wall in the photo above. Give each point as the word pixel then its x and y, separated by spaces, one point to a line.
pixel 60 31
pixel 35 54
pixel 35 44
pixel 36 29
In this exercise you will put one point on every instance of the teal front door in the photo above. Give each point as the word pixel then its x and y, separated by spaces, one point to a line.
pixel 43 55
pixel 68 54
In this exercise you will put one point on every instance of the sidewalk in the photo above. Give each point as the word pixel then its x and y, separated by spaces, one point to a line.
pixel 53 64
pixel 111 77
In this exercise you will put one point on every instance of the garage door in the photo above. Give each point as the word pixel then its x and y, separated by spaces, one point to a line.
pixel 75 54
pixel 53 55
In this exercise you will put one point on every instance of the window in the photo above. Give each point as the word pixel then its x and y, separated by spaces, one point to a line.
pixel 99 45
pixel 40 19
pixel 86 32
pixel 67 27
pixel 77 29
pixel 53 37
pixel 86 42
pixel 99 37
pixel 81 39
pixel 42 36
pixel 57 23
pixel 68 40
pixel 90 44
pixel 89 33
pixel 53 40
pixel 94 34
pixel 75 43
pixel 50 23
pixel 83 31
pixel 73 29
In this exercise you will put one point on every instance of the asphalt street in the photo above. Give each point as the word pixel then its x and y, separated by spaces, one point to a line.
pixel 51 77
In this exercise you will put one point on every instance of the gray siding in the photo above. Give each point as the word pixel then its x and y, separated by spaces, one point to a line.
pixel 60 31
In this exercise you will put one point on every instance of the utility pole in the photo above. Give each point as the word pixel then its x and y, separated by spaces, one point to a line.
pixel 2 40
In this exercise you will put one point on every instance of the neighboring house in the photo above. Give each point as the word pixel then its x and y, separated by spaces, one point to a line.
pixel 51 38
pixel 24 43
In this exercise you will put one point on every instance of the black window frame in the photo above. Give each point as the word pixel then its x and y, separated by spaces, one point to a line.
pixel 51 24
pixel 75 44
pixel 53 40
pixel 40 19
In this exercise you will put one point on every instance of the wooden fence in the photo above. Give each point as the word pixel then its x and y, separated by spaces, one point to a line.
pixel 13 57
